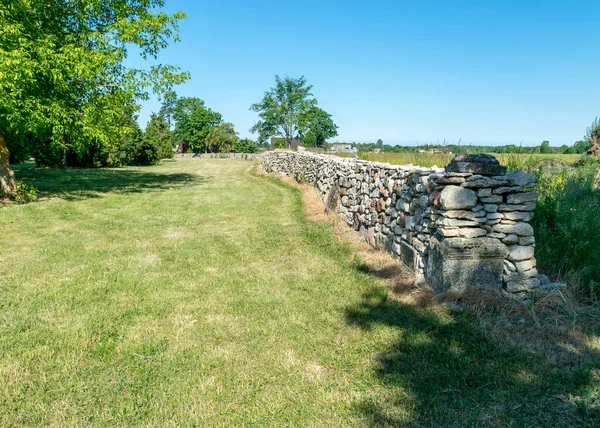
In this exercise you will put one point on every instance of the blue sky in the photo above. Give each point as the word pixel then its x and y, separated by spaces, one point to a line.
pixel 483 72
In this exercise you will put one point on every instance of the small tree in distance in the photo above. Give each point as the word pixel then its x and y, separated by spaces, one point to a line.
pixel 320 128
pixel 222 138
pixel 284 109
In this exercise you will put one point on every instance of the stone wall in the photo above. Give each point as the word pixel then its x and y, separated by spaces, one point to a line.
pixel 462 227
pixel 246 156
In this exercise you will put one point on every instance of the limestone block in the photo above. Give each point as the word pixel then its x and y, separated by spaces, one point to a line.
pixel 519 198
pixel 457 198
pixel 520 252
pixel 519 229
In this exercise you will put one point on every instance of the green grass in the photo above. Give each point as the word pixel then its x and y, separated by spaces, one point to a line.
pixel 196 293
pixel 442 159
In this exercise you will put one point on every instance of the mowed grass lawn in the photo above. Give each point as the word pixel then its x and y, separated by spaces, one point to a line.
pixel 196 292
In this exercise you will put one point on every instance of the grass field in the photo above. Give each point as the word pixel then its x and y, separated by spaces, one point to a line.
pixel 196 292
pixel 441 159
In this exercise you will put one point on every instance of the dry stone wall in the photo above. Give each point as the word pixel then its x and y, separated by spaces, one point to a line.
pixel 462 227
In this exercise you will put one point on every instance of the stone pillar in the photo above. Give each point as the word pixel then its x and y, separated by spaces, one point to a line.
pixel 458 264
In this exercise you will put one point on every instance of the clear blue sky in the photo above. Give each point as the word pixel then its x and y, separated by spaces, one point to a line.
pixel 486 72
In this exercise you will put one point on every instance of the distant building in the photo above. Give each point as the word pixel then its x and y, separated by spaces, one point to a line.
pixel 342 148
pixel 183 147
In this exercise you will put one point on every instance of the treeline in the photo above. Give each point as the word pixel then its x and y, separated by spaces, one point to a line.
pixel 579 147
pixel 200 128
pixel 587 144
pixel 185 119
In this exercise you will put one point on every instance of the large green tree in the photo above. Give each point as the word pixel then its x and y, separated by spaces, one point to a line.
pixel 62 72
pixel 320 128
pixel 193 122
pixel 284 110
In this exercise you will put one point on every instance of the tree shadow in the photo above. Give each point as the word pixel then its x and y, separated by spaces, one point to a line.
pixel 84 183
pixel 442 371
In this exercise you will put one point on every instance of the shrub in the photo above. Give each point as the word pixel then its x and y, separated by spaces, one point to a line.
pixel 244 145
pixel 567 223
pixel 23 193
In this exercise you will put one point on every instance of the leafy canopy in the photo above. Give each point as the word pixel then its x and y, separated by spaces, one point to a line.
pixel 222 138
pixel 193 121
pixel 320 128
pixel 62 74
pixel 160 136
pixel 284 110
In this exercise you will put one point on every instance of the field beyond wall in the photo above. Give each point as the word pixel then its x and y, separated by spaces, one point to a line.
pixel 196 292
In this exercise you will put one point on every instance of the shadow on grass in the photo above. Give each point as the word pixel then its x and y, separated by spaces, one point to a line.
pixel 443 372
pixel 84 183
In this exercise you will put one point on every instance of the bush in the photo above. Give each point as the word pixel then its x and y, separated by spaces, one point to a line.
pixel 23 193
pixel 245 145
pixel 566 225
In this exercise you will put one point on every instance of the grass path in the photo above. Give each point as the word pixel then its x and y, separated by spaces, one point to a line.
pixel 196 293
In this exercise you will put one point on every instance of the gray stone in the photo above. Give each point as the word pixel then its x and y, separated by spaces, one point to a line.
pixel 496 199
pixel 525 265
pixel 485 182
pixel 471 232
pixel 509 267
pixel 482 193
pixel 519 198
pixel 477 164
pixel 457 198
pixel 519 215
pixel 510 239
pixel 520 229
pixel 496 235
pixel 520 178
pixel 520 252
pixel 495 216
pixel 526 240
pixel 463 263
pixel 448 233
pixel 502 190
pixel 490 208
pixel 522 284
pixel 527 206
pixel 452 222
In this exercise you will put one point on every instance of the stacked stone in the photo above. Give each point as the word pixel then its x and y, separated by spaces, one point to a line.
pixel 473 204
pixel 478 199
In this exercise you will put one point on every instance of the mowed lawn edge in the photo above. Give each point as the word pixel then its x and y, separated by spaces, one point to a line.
pixel 197 292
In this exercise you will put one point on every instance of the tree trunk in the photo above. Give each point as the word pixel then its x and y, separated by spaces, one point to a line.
pixel 8 185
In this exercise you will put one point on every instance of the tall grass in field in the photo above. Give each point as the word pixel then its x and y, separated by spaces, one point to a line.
pixel 513 160
pixel 567 227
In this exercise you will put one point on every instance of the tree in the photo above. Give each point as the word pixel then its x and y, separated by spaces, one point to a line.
pixel 284 109
pixel 379 144
pixel 167 108
pixel 193 122
pixel 62 73
pixel 160 136
pixel 222 138
pixel 593 136
pixel 320 128
pixel 545 148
